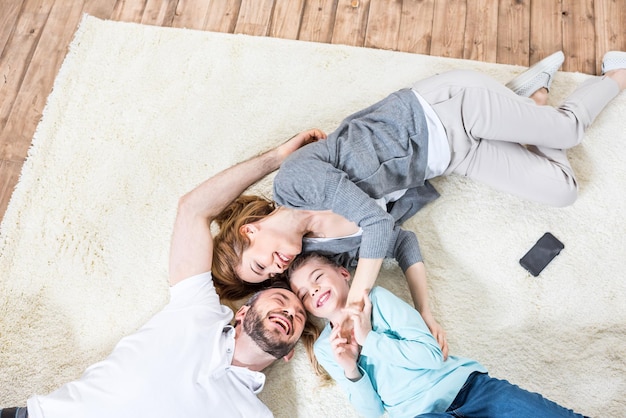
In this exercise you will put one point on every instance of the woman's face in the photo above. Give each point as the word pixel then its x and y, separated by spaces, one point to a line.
pixel 270 252
pixel 322 288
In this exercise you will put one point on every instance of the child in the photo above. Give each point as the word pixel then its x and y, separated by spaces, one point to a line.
pixel 392 362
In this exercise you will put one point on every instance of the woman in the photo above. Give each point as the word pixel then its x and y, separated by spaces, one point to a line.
pixel 355 189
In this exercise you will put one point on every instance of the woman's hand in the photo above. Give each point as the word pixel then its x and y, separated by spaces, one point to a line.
pixel 361 318
pixel 298 141
pixel 438 333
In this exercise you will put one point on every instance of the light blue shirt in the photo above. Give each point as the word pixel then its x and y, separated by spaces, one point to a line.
pixel 401 362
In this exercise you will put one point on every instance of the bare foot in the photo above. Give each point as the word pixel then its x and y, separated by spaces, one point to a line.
pixel 540 96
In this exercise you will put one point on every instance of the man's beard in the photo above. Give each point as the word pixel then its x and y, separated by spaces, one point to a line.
pixel 264 338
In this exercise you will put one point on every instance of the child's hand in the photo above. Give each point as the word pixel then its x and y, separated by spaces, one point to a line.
pixel 361 318
pixel 346 352
pixel 438 333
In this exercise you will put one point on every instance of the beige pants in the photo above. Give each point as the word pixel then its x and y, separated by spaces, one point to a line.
pixel 509 142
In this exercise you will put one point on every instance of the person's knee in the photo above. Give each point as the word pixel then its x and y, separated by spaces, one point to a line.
pixel 558 195
pixel 566 197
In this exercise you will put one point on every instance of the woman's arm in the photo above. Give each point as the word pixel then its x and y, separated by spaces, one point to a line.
pixel 191 248
pixel 406 251
pixel 367 270
pixel 416 279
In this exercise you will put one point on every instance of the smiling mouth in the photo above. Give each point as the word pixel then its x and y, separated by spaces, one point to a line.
pixel 282 322
pixel 323 299
pixel 285 260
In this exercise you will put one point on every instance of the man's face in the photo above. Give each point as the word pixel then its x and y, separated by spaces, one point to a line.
pixel 275 321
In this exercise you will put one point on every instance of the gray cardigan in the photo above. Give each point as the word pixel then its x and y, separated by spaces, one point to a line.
pixel 373 152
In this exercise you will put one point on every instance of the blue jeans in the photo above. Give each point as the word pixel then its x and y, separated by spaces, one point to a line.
pixel 484 396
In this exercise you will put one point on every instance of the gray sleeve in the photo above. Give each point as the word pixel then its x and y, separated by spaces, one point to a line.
pixel 405 248
pixel 303 183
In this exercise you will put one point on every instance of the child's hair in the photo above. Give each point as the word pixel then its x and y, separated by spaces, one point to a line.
pixel 229 244
pixel 310 334
pixel 298 262
pixel 303 258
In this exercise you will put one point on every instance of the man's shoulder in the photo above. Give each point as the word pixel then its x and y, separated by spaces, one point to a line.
pixel 195 281
pixel 197 289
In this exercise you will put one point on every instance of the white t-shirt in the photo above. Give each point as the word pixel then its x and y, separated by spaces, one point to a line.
pixel 177 365
pixel 439 153
pixel 438 146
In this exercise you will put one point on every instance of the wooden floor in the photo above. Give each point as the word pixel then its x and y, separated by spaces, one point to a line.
pixel 34 35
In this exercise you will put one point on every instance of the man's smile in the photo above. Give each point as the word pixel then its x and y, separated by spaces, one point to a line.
pixel 282 322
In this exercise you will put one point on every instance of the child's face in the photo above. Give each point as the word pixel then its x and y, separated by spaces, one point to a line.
pixel 322 288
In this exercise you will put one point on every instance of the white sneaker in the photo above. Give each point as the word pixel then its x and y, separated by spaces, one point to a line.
pixel 538 76
pixel 613 60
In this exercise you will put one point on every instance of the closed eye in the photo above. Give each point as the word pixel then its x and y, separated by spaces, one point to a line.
pixel 300 314
pixel 301 317
pixel 257 268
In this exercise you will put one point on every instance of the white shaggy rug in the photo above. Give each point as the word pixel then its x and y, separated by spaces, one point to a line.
pixel 139 115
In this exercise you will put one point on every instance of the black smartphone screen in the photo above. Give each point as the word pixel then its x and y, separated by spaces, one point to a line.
pixel 540 255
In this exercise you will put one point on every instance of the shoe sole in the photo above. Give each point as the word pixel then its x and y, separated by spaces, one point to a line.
pixel 536 69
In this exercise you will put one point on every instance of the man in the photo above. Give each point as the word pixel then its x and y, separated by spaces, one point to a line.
pixel 188 360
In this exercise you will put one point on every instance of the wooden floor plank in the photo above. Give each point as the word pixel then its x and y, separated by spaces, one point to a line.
pixel 159 12
pixel 351 22
pixel 481 31
pixel 222 15
pixel 546 35
pixel 39 77
pixel 102 9
pixel 318 20
pixel 383 24
pixel 610 33
pixel 416 26
pixel 9 13
pixel 514 32
pixel 129 10
pixel 286 19
pixel 255 17
pixel 448 28
pixel 9 176
pixel 190 14
pixel 14 65
pixel 579 36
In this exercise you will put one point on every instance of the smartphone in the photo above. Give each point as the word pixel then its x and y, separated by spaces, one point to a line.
pixel 540 255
